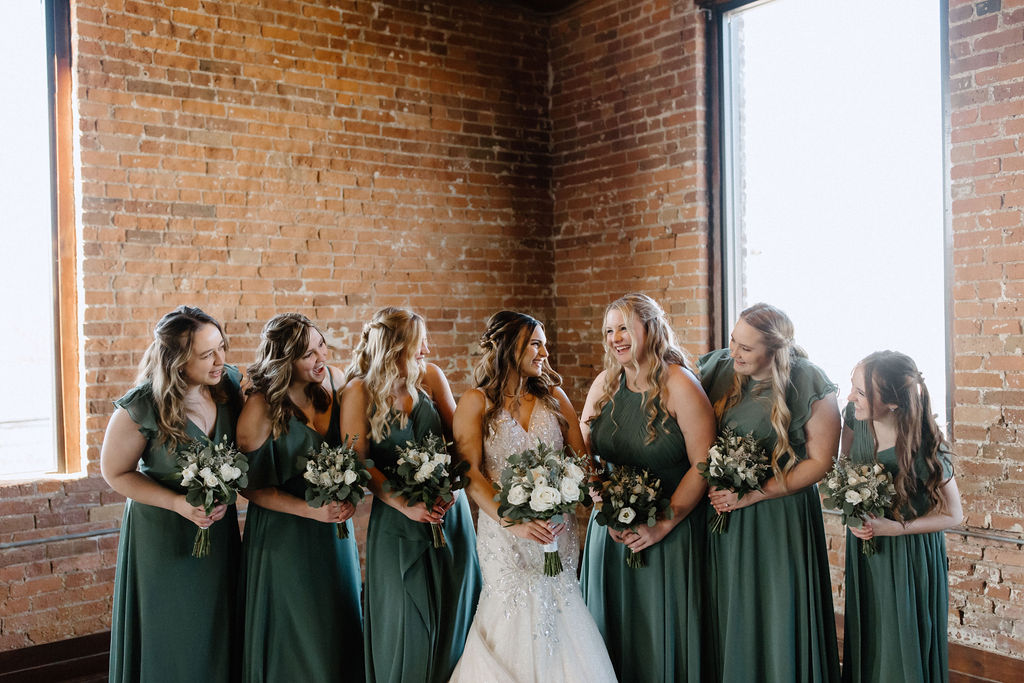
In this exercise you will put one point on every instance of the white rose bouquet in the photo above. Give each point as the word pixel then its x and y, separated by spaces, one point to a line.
pixel 858 491
pixel 630 496
pixel 425 474
pixel 335 473
pixel 212 473
pixel 737 463
pixel 541 483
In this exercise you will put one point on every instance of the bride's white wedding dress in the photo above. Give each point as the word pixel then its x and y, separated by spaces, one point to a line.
pixel 529 627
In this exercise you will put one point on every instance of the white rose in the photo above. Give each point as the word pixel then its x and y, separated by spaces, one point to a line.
pixel 189 473
pixel 544 498
pixel 627 515
pixel 442 458
pixel 208 477
pixel 866 494
pixel 229 473
pixel 517 495
pixel 350 477
pixel 574 472
pixel 877 469
pixel 540 481
pixel 852 479
pixel 570 490
pixel 337 477
pixel 424 472
pixel 714 453
pixel 852 497
pixel 326 479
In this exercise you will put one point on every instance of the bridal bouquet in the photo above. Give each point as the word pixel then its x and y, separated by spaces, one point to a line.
pixel 335 473
pixel 541 483
pixel 212 473
pixel 630 496
pixel 425 474
pixel 737 463
pixel 858 491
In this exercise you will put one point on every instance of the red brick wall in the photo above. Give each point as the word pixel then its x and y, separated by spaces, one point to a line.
pixel 259 157
pixel 629 175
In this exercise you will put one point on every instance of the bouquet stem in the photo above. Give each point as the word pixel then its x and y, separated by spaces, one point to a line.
pixel 552 561
pixel 201 546
pixel 438 533
pixel 719 523
pixel 341 529
pixel 635 560
pixel 867 548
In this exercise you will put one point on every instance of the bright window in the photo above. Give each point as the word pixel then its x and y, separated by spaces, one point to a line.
pixel 832 168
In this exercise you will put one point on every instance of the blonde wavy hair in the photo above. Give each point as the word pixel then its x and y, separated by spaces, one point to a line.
pixel 385 359
pixel 777 335
pixel 284 340
pixel 504 345
pixel 163 366
pixel 894 378
pixel 660 347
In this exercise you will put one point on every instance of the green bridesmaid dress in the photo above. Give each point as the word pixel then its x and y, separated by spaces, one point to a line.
pixel 897 600
pixel 650 618
pixel 419 600
pixel 302 620
pixel 175 616
pixel 770 615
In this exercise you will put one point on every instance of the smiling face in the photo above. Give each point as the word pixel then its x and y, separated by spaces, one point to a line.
pixel 624 338
pixel 531 362
pixel 863 407
pixel 311 366
pixel 205 364
pixel 749 352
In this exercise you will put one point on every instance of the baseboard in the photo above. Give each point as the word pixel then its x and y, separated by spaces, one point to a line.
pixel 85 658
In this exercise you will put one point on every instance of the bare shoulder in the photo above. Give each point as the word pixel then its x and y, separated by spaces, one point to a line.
pixel 682 382
pixel 473 401
pixel 336 379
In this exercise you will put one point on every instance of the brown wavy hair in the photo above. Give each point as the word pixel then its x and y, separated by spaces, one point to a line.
pixel 504 344
pixel 163 366
pixel 284 339
pixel 894 378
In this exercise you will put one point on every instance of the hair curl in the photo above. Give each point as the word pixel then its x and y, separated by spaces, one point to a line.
pixel 894 378
pixel 660 347
pixel 385 359
pixel 284 340
pixel 504 344
pixel 163 366
pixel 777 335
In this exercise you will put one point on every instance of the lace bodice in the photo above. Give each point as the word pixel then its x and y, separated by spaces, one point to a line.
pixel 509 437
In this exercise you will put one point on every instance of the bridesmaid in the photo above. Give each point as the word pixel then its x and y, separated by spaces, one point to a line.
pixel 647 409
pixel 771 613
pixel 419 600
pixel 302 620
pixel 174 615
pixel 897 600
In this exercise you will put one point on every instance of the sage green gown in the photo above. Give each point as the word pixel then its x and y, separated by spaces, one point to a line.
pixel 419 600
pixel 167 602
pixel 302 620
pixel 897 600
pixel 770 615
pixel 650 618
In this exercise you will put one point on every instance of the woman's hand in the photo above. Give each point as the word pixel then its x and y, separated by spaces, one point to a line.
pixel 877 526
pixel 542 532
pixel 331 513
pixel 197 515
pixel 643 536
pixel 724 500
pixel 419 512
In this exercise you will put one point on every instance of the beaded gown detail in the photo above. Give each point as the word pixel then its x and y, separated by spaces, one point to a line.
pixel 529 627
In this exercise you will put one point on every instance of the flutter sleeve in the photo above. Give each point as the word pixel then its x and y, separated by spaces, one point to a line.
pixel 807 384
pixel 141 408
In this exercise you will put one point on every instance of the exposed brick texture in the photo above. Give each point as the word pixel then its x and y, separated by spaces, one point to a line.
pixel 334 157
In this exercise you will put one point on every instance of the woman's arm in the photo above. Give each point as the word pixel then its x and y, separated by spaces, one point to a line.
pixel 822 433
pixel 123 446
pixel 356 426
pixel 590 410
pixel 441 393
pixel 689 404
pixel 925 524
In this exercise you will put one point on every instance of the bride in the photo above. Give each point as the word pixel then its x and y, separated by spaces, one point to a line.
pixel 528 627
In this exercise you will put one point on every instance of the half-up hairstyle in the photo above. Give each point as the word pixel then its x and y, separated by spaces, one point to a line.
pixel 660 349
pixel 284 340
pixel 504 344
pixel 386 358
pixel 163 365
pixel 777 335
pixel 894 379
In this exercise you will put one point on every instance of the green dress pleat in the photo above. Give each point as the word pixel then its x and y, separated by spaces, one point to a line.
pixel 770 615
pixel 167 602
pixel 897 600
pixel 419 600
pixel 302 617
pixel 650 618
